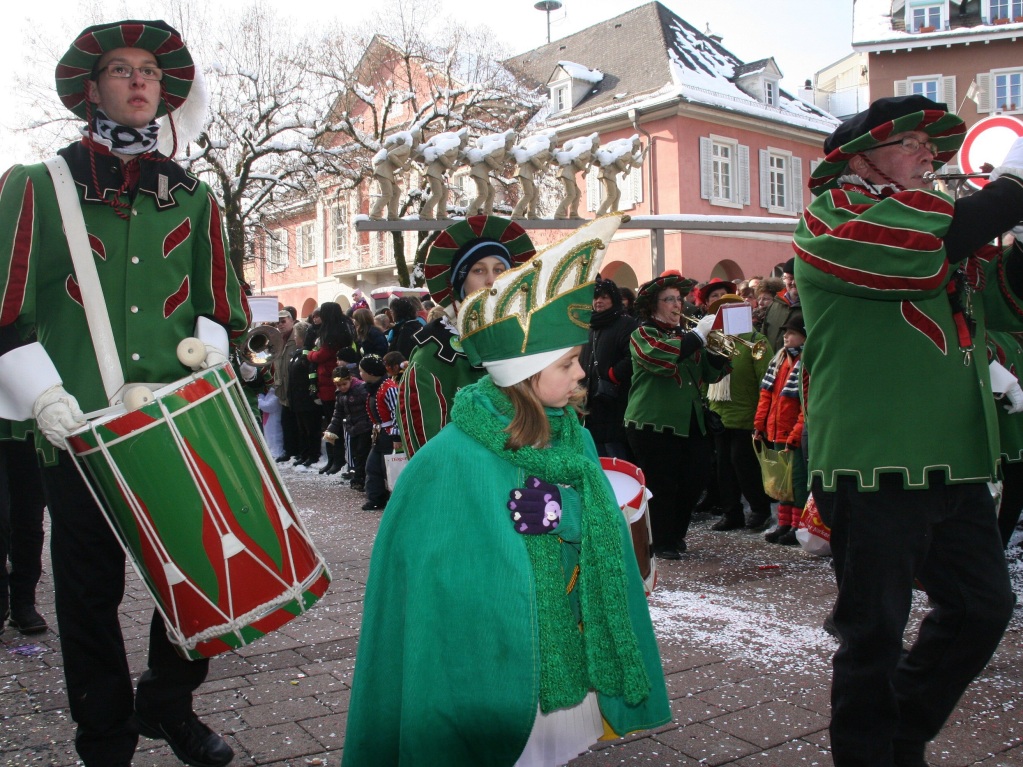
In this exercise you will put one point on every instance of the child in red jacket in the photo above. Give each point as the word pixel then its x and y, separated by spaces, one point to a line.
pixel 779 420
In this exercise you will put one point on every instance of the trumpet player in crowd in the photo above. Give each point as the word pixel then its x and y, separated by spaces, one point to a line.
pixel 664 419
pixel 898 290
pixel 147 268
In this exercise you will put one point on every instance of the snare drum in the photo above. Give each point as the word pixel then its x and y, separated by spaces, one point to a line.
pixel 186 484
pixel 630 491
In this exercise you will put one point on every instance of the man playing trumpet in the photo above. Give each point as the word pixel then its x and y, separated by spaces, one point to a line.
pixel 898 289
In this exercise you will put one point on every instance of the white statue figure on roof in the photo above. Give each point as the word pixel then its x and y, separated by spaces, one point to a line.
pixel 576 155
pixel 532 156
pixel 441 155
pixel 489 155
pixel 394 156
pixel 614 158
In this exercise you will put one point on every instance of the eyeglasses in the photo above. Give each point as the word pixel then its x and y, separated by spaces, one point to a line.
pixel 671 300
pixel 124 72
pixel 910 144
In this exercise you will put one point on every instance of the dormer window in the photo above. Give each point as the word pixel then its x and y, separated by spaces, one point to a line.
pixel 560 98
pixel 926 15
pixel 770 93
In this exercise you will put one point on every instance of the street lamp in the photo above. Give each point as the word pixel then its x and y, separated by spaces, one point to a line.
pixel 547 6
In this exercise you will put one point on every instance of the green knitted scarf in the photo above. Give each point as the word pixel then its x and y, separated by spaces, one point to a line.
pixel 605 655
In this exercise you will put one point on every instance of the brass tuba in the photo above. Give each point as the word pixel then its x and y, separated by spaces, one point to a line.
pixel 261 346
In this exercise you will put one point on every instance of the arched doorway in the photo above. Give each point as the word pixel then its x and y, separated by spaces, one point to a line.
pixel 307 307
pixel 620 273
pixel 726 269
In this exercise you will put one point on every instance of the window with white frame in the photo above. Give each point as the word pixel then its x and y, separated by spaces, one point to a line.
pixel 1007 91
pixel 305 250
pixel 560 98
pixel 277 250
pixel 936 87
pixel 724 171
pixel 922 14
pixel 338 232
pixel 630 187
pixel 1005 9
pixel 771 93
pixel 781 181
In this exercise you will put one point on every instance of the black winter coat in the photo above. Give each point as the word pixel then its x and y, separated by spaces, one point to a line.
pixel 606 357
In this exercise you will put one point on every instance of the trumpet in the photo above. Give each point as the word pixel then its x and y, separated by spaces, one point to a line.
pixel 728 346
pixel 954 176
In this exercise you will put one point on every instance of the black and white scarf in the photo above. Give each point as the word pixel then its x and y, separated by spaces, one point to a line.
pixel 121 138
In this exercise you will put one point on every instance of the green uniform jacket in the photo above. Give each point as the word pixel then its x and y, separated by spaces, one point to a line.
pixel 744 385
pixel 159 270
pixel 448 666
pixel 666 391
pixel 889 391
pixel 437 369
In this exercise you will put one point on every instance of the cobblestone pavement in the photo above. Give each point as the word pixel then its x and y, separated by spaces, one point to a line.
pixel 738 622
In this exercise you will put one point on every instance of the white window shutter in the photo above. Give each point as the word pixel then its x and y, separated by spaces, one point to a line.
pixel 984 100
pixel 284 245
pixel 706 174
pixel 765 179
pixel 795 200
pixel 593 189
pixel 901 87
pixel 948 92
pixel 636 185
pixel 744 197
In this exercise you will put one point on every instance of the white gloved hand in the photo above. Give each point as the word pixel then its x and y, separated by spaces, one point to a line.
pixel 214 357
pixel 1014 395
pixel 704 326
pixel 57 415
pixel 248 372
pixel 1013 162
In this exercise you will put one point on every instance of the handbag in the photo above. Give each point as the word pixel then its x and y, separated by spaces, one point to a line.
pixel 813 535
pixel 606 391
pixel 776 470
pixel 712 420
pixel 394 464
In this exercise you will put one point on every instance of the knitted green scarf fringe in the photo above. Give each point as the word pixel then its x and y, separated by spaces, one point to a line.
pixel 605 655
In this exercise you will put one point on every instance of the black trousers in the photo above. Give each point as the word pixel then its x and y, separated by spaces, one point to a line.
pixel 1012 500
pixel 21 523
pixel 376 474
pixel 359 446
pixel 88 577
pixel 882 700
pixel 289 428
pixel 675 468
pixel 738 475
pixel 309 433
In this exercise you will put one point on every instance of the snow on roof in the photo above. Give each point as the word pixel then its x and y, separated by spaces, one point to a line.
pixel 703 72
pixel 872 26
pixel 580 72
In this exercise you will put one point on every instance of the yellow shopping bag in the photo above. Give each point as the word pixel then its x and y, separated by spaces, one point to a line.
pixel 776 469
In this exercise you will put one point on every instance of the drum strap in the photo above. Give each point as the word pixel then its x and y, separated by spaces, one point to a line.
pixel 88 280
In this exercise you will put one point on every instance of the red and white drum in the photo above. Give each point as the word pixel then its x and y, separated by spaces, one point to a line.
pixel 187 485
pixel 630 491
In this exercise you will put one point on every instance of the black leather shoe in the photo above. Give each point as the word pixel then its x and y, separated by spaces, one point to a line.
pixel 191 741
pixel 725 523
pixel 778 532
pixel 333 468
pixel 789 538
pixel 667 553
pixel 348 475
pixel 282 458
pixel 370 506
pixel 358 488
pixel 757 522
pixel 27 621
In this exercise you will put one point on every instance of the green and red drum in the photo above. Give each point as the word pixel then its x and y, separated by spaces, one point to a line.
pixel 188 487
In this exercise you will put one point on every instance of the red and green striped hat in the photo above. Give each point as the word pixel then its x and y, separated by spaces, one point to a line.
pixel 158 37
pixel 460 238
pixel 887 117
